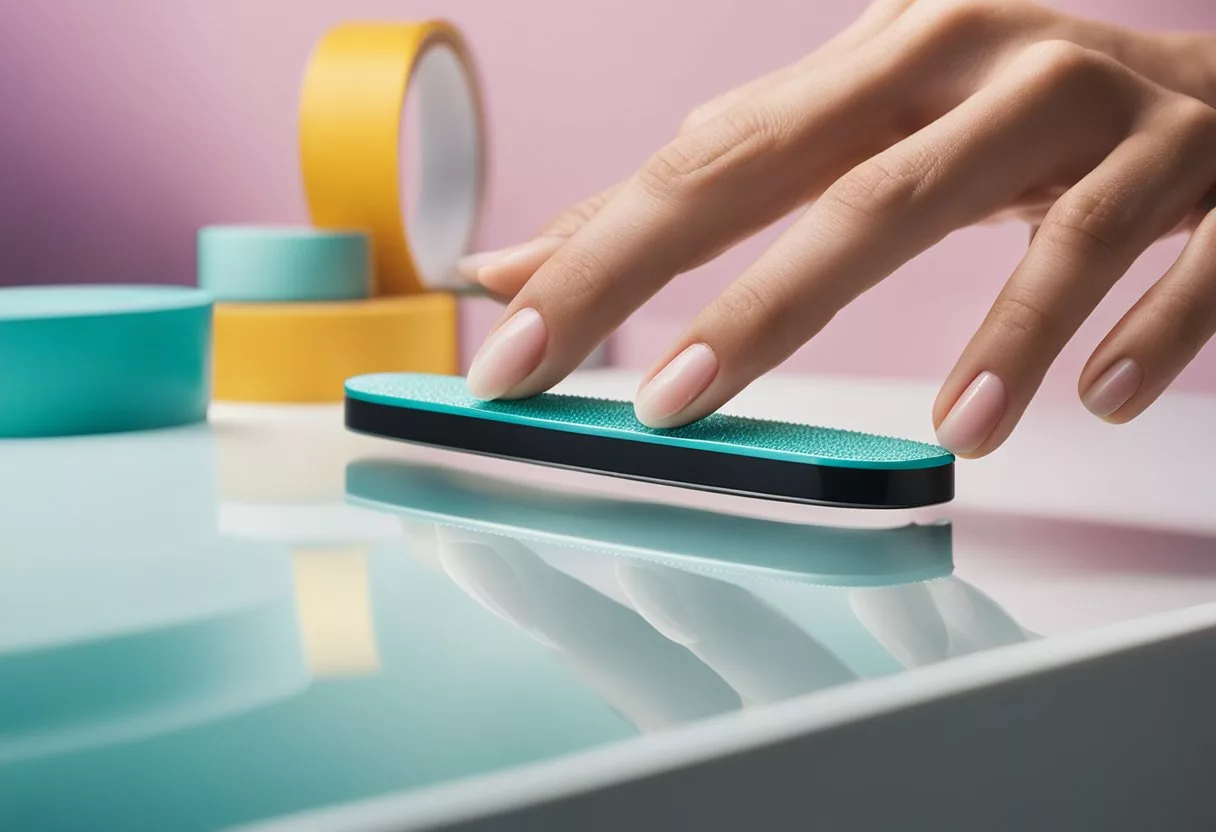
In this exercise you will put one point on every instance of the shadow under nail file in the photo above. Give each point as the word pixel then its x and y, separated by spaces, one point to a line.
pixel 767 459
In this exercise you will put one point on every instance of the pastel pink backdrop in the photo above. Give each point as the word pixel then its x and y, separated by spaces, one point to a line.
pixel 126 124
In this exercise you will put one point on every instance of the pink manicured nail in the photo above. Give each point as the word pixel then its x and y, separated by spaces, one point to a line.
pixel 676 386
pixel 508 356
pixel 974 415
pixel 1114 388
pixel 491 268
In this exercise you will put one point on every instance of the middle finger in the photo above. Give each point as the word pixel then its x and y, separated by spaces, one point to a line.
pixel 703 192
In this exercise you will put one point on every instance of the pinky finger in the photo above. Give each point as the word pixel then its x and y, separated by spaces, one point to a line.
pixel 1158 337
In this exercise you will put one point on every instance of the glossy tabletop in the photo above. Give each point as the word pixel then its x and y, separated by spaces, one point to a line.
pixel 268 621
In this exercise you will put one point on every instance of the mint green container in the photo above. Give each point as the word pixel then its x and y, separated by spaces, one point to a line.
pixel 99 359
pixel 268 264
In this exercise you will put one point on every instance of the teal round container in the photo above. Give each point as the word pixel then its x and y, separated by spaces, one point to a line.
pixel 101 359
pixel 252 264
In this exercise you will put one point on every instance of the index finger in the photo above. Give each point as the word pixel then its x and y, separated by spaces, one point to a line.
pixel 694 198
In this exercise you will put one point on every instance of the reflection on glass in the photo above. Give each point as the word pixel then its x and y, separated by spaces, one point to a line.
pixel 123 612
pixel 223 679
pixel 672 614
pixel 696 538
pixel 333 605
pixel 140 684
pixel 639 672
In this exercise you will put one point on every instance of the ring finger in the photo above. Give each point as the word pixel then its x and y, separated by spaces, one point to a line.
pixel 1158 337
pixel 1087 241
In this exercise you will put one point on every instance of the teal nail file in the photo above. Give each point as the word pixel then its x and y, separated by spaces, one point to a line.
pixel 753 457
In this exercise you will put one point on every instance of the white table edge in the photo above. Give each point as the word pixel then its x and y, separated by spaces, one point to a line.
pixel 748 731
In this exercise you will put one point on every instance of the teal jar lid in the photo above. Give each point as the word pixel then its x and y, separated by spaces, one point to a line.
pixel 275 264
pixel 99 359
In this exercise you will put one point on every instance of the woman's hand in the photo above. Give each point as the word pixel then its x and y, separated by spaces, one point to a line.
pixel 925 116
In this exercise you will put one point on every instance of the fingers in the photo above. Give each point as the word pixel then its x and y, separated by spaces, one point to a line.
pixel 977 158
pixel 504 272
pixel 905 620
pixel 696 197
pixel 721 624
pixel 652 681
pixel 1158 337
pixel 1087 241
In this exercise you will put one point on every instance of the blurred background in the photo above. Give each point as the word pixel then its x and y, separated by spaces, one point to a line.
pixel 126 125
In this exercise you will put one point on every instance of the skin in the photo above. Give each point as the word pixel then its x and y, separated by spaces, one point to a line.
pixel 923 117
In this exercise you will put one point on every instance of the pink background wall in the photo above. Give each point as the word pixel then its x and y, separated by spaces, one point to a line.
pixel 126 124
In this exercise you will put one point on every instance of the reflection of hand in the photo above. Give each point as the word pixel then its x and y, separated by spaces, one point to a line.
pixel 697 645
pixel 923 117
pixel 651 680
pixel 924 623
pixel 758 651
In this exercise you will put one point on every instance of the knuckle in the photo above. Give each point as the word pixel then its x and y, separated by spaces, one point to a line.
pixel 575 217
pixel 1022 318
pixel 748 300
pixel 697 117
pixel 581 273
pixel 664 172
pixel 1199 120
pixel 1096 222
pixel 699 158
pixel 1062 64
pixel 883 183
pixel 953 21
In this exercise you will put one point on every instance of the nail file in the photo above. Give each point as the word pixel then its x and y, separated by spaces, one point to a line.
pixel 752 457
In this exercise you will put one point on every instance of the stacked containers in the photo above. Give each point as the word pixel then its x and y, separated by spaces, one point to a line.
pixel 367 289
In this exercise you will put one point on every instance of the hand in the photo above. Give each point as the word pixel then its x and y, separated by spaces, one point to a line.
pixel 923 117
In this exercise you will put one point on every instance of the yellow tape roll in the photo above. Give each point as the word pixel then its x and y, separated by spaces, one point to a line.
pixel 351 146
pixel 303 352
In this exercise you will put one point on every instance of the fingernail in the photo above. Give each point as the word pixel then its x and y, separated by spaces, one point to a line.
pixel 490 268
pixel 974 415
pixel 509 356
pixel 1114 388
pixel 676 385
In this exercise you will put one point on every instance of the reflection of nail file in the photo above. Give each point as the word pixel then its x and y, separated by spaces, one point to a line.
pixel 428 498
pixel 773 460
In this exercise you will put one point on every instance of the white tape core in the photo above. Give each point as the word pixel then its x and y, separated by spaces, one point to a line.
pixel 448 176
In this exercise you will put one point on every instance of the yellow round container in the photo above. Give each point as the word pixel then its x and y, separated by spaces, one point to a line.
pixel 304 352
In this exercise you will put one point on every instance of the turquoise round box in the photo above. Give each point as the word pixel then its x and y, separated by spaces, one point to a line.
pixel 100 359
pixel 267 264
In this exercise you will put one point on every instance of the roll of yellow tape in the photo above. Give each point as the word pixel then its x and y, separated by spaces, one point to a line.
pixel 303 352
pixel 351 146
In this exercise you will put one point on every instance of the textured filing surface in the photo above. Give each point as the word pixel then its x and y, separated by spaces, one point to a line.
pixel 718 432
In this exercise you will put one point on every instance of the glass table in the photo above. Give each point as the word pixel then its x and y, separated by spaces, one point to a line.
pixel 269 622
